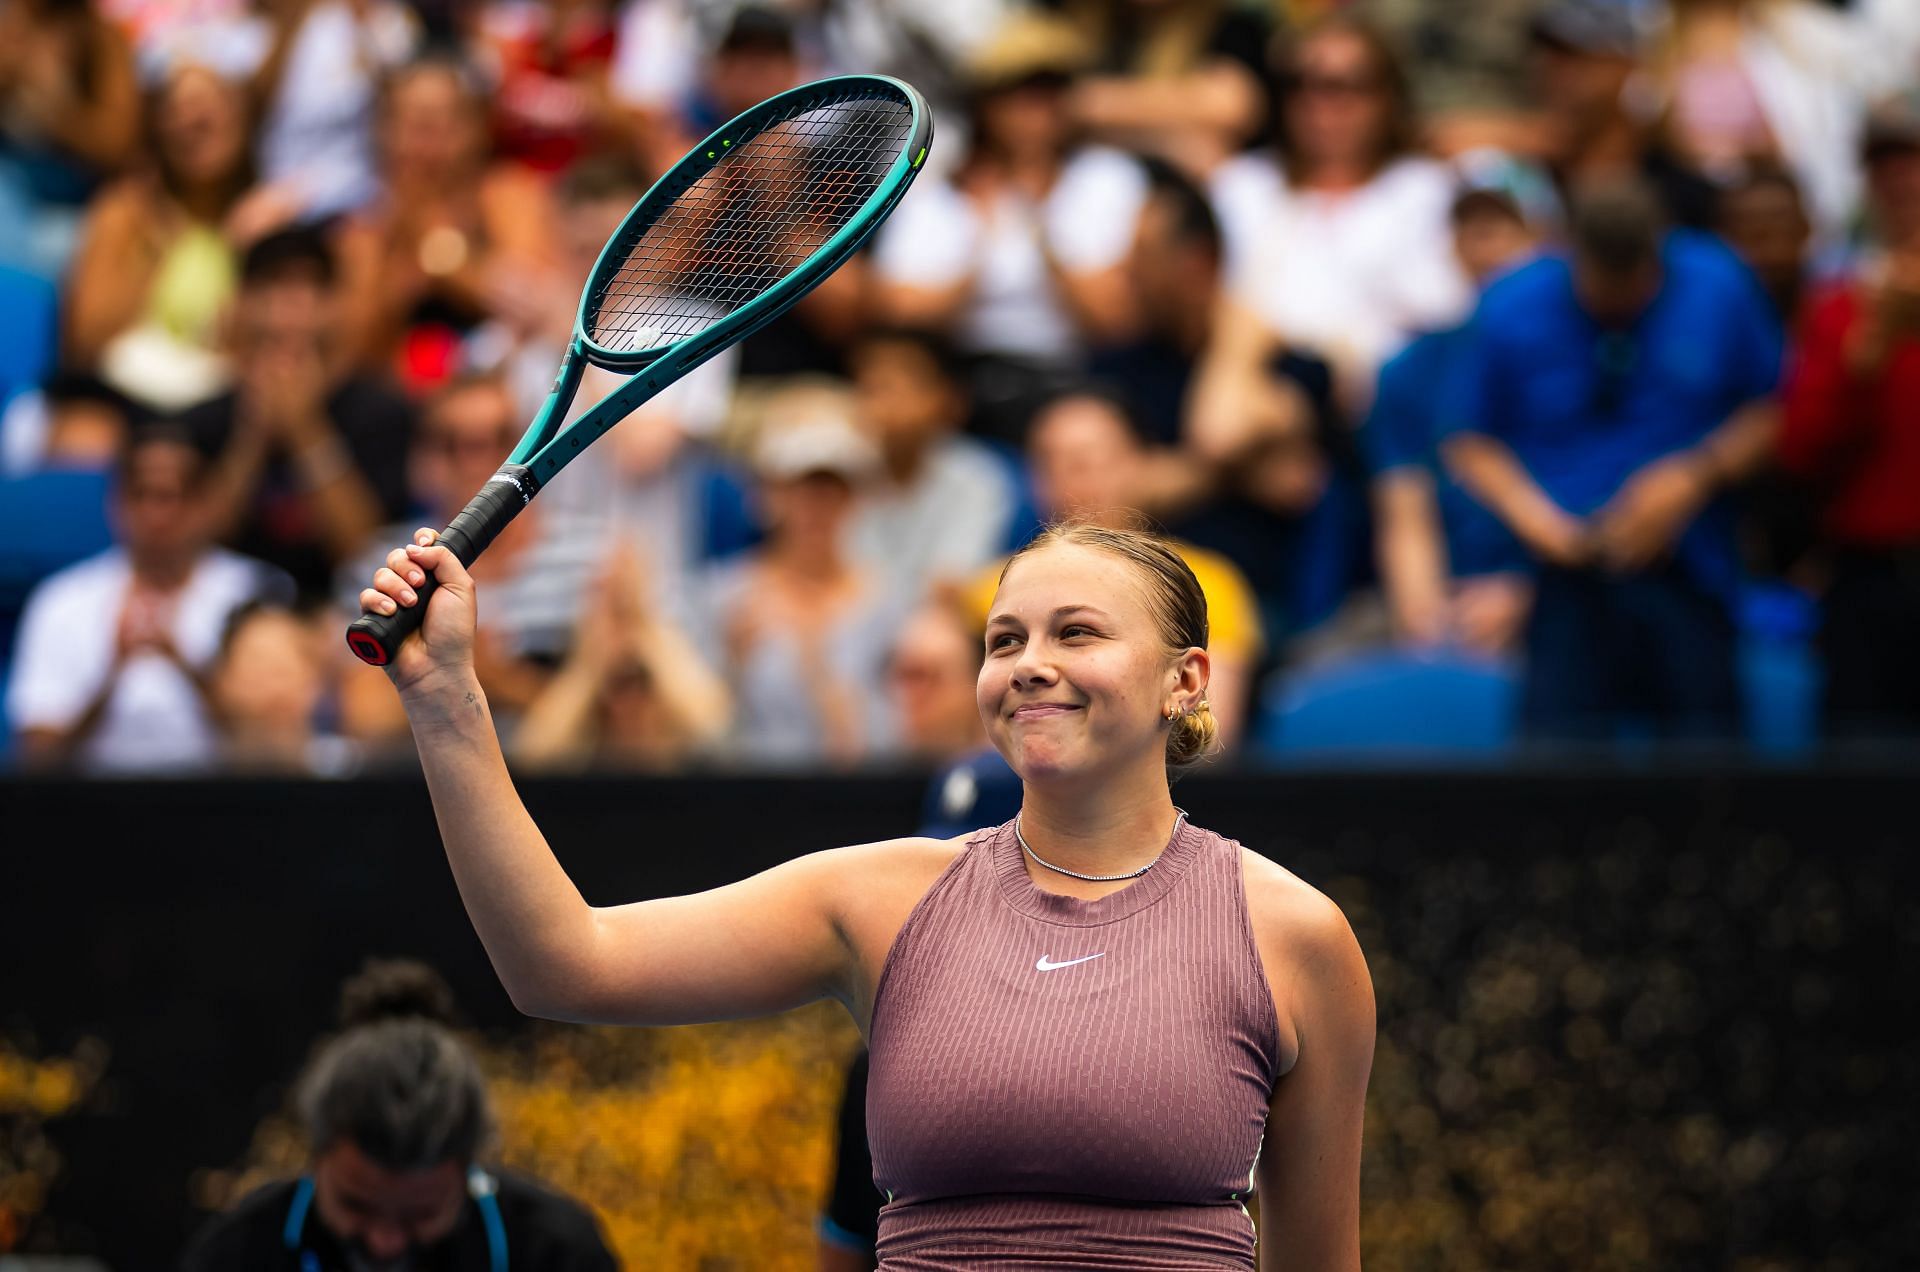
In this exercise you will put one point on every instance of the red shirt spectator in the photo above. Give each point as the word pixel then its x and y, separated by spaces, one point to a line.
pixel 551 63
pixel 1856 429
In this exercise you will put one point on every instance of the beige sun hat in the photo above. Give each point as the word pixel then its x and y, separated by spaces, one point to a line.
pixel 808 431
pixel 1029 45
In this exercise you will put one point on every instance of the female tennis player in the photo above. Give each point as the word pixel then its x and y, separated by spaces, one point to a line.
pixel 1082 1023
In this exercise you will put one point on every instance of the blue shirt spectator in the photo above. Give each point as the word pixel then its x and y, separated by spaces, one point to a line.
pixel 1584 405
pixel 28 310
pixel 1403 432
pixel 1603 402
pixel 55 513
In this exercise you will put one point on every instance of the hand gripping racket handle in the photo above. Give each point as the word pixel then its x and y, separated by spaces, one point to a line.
pixel 375 638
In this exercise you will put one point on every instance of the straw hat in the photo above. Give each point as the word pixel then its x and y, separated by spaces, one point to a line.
pixel 1026 46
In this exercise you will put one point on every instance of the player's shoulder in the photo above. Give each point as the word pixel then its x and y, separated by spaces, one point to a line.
pixel 872 888
pixel 1290 914
pixel 907 855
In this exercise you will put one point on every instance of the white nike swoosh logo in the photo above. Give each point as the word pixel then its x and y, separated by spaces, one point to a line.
pixel 1046 963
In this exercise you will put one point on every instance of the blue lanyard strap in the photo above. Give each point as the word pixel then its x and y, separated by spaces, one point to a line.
pixel 482 1187
pixel 297 1213
pixel 485 1190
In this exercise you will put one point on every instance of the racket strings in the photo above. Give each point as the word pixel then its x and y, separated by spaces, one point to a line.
pixel 748 221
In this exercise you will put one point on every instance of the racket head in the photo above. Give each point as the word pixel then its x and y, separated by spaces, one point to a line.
pixel 752 219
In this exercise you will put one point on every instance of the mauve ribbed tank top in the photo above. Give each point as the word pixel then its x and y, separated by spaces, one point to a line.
pixel 1059 1083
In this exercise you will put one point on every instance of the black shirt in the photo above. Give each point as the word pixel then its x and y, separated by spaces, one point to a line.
pixel 374 423
pixel 852 1215
pixel 546 1232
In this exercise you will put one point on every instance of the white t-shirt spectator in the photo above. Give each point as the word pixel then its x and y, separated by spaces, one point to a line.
pixel 948 524
pixel 657 54
pixel 1351 275
pixel 938 237
pixel 777 680
pixel 155 720
pixel 317 133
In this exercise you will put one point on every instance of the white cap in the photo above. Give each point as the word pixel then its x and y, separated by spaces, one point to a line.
pixel 816 442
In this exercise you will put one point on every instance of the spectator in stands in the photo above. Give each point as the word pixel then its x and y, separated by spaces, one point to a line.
pixel 1746 84
pixel 803 630
pixel 538 572
pixel 1088 464
pixel 317 87
pixel 1451 573
pixel 309 453
pixel 397 1120
pixel 269 687
pixel 757 57
pixel 633 693
pixel 930 678
pixel 1022 256
pixel 1185 82
pixel 1853 436
pixel 69 118
pixel 943 505
pixel 1605 402
pixel 1272 502
pixel 549 66
pixel 55 513
pixel 455 240
pixel 1174 273
pixel 109 670
pixel 156 267
pixel 681 86
pixel 1337 240
pixel 1761 217
pixel 654 471
pixel 1591 117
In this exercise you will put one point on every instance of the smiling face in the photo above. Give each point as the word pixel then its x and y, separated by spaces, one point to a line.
pixel 433 129
pixel 1078 674
pixel 200 128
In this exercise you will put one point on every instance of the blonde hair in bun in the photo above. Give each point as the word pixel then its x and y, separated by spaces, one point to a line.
pixel 1194 736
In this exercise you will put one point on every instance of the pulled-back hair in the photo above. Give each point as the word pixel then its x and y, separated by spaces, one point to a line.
pixel 397 1083
pixel 1178 606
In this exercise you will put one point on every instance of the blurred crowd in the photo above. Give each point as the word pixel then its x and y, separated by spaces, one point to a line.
pixel 1552 376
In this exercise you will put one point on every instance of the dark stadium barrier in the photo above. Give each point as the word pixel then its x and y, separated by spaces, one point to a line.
pixel 1628 1018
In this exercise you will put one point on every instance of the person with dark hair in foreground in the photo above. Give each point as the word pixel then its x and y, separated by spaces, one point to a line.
pixel 396 1113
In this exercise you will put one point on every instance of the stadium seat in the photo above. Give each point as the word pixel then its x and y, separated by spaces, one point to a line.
pixel 1390 703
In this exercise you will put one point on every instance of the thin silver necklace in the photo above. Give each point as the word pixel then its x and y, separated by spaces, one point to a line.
pixel 1075 874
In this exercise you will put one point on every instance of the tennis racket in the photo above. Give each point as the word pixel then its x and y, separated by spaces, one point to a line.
pixel 746 224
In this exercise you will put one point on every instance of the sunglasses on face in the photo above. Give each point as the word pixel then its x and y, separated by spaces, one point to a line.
pixel 1311 84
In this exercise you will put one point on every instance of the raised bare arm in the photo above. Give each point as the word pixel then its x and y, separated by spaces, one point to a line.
pixel 759 945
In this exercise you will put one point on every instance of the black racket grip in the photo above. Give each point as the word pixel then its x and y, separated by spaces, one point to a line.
pixel 375 638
